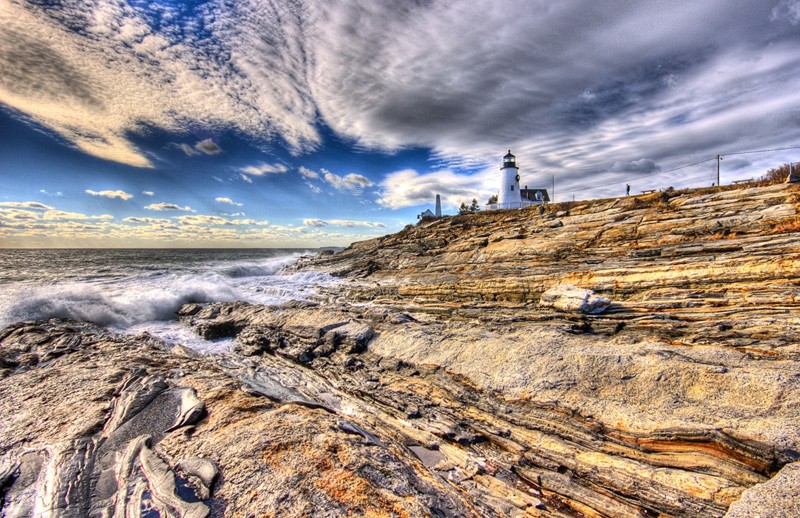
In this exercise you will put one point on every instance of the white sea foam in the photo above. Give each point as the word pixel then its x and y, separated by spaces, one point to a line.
pixel 144 297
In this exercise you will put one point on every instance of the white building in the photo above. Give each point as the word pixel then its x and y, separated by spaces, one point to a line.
pixel 510 195
pixel 427 214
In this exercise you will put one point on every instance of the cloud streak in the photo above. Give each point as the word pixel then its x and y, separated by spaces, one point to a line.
pixel 354 183
pixel 346 223
pixel 168 206
pixel 118 194
pixel 574 88
pixel 227 201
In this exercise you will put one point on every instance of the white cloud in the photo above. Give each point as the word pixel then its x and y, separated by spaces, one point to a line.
pixel 308 173
pixel 228 201
pixel 187 149
pixel 111 194
pixel 149 221
pixel 64 215
pixel 168 206
pixel 16 215
pixel 313 187
pixel 352 182
pixel 788 10
pixel 117 74
pixel 203 220
pixel 316 223
pixel 26 205
pixel 347 223
pixel 409 188
pixel 392 74
pixel 264 169
pixel 148 193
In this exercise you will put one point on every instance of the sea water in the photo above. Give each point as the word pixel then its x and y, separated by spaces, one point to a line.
pixel 135 291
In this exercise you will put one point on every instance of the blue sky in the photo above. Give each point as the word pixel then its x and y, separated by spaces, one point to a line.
pixel 294 124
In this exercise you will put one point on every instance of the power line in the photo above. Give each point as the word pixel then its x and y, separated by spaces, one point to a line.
pixel 760 151
pixel 644 175
pixel 717 157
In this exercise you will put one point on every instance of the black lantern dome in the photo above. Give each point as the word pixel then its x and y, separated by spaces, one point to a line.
pixel 509 161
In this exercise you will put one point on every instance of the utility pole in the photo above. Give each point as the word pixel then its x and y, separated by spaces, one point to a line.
pixel 718 160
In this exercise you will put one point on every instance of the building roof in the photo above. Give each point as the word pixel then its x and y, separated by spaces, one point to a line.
pixel 530 194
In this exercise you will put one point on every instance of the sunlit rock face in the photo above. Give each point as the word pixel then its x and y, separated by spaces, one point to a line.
pixel 456 372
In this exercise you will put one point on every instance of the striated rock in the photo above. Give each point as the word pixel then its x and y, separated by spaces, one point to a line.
pixel 105 448
pixel 567 297
pixel 453 391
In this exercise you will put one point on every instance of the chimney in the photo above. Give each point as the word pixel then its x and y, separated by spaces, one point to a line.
pixel 438 206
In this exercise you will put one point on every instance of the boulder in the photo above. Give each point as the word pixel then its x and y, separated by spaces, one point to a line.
pixel 566 297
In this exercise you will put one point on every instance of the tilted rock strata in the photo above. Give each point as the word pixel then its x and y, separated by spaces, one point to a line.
pixel 432 382
pixel 88 427
pixel 739 247
pixel 618 424
pixel 700 340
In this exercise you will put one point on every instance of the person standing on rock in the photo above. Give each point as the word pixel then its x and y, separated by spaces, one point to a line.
pixel 627 190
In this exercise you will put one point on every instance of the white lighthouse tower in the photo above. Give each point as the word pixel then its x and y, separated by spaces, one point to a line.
pixel 509 195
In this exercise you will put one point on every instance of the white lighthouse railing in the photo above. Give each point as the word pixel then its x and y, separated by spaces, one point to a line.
pixel 511 205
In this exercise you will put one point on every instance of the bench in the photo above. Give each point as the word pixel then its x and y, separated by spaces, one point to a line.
pixel 739 182
pixel 648 191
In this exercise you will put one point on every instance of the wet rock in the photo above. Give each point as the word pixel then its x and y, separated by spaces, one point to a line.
pixel 161 481
pixel 203 470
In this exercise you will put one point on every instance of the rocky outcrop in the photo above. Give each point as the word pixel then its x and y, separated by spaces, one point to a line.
pixel 96 424
pixel 443 378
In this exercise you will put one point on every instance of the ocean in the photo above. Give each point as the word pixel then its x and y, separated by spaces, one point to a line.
pixel 134 291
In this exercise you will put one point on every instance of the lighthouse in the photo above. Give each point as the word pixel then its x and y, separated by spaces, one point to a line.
pixel 508 197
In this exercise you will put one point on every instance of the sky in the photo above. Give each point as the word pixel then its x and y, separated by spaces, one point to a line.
pixel 292 123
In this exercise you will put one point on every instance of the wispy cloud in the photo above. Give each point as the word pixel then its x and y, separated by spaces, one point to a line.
pixel 149 221
pixel 409 188
pixel 391 75
pixel 201 220
pixel 263 168
pixel 308 173
pixel 64 215
pixel 347 223
pixel 148 193
pixel 354 183
pixel 168 206
pixel 228 201
pixel 26 205
pixel 312 187
pixel 208 147
pixel 122 195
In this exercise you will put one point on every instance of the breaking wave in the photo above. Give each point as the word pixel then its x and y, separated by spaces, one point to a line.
pixel 137 297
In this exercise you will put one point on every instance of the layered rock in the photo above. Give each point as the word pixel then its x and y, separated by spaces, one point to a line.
pixel 437 380
pixel 95 424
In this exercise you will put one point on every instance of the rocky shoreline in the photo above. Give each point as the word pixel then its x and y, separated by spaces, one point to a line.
pixel 444 378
